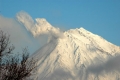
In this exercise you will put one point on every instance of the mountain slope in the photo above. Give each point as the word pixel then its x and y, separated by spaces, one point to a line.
pixel 69 58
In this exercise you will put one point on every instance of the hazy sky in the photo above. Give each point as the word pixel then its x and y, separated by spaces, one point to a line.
pixel 101 17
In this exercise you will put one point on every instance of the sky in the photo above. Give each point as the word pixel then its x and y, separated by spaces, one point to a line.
pixel 100 17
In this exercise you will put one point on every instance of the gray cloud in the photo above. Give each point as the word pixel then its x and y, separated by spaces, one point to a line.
pixel 25 19
pixel 111 65
pixel 19 36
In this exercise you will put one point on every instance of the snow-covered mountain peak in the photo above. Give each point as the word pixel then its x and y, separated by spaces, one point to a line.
pixel 82 29
pixel 79 30
pixel 69 58
pixel 89 38
pixel 79 49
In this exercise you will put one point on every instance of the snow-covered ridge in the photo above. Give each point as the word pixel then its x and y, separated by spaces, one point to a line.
pixel 95 39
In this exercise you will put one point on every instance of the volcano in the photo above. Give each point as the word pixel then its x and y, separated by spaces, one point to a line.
pixel 76 54
pixel 70 57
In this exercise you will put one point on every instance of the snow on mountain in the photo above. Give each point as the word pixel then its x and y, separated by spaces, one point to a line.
pixel 69 58
pixel 76 54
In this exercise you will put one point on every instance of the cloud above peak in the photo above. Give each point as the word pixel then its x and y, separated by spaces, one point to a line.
pixel 39 27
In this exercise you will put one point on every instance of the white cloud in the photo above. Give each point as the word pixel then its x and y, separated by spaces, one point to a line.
pixel 39 27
